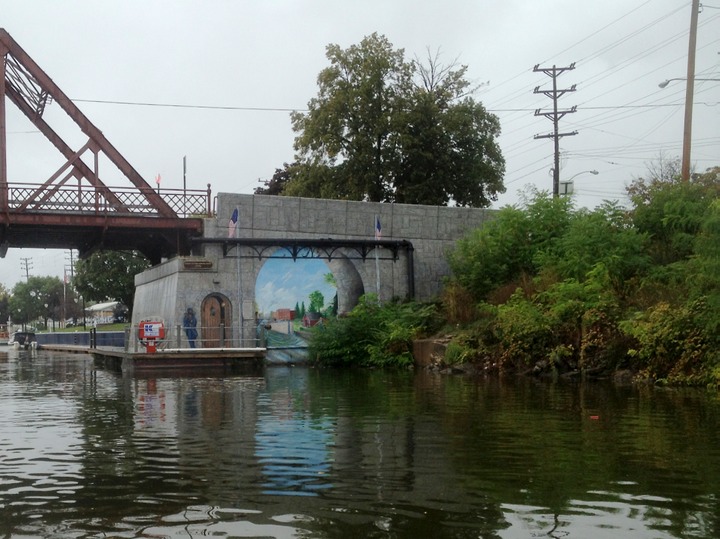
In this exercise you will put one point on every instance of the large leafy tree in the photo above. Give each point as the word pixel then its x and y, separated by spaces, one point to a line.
pixel 4 301
pixel 508 248
pixel 671 211
pixel 385 129
pixel 109 276
pixel 39 297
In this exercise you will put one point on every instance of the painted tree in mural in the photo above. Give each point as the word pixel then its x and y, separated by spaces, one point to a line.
pixel 317 301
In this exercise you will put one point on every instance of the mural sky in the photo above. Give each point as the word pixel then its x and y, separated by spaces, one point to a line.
pixel 283 283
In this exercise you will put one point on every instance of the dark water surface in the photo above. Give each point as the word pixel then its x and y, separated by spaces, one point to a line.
pixel 296 452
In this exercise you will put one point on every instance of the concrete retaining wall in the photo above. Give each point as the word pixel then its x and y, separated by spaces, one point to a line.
pixel 433 230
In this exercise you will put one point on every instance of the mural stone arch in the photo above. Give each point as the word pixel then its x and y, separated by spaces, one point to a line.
pixel 216 327
pixel 349 283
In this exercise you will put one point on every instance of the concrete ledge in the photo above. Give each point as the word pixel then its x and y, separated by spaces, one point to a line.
pixel 180 360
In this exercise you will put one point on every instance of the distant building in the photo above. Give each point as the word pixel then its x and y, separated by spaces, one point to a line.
pixel 284 314
pixel 102 313
pixel 311 319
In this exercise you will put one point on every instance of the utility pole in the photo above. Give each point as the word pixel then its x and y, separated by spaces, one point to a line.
pixel 65 285
pixel 555 116
pixel 689 92
pixel 69 257
pixel 26 265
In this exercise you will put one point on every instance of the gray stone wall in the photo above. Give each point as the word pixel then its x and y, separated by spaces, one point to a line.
pixel 272 216
pixel 431 229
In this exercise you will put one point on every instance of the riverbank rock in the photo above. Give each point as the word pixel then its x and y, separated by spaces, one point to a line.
pixel 429 353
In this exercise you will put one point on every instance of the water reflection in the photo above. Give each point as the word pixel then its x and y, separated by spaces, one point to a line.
pixel 296 452
pixel 293 450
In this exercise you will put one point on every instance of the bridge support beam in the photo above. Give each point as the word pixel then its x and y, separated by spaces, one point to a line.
pixel 3 139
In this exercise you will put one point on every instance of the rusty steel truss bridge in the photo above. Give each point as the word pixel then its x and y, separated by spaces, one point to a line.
pixel 72 208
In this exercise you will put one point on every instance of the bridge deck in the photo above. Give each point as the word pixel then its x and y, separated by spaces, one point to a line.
pixel 82 218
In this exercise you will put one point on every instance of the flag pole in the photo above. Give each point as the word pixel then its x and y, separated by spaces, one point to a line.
pixel 233 233
pixel 239 279
pixel 184 185
pixel 378 235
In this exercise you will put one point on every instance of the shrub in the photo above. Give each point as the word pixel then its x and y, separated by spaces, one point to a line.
pixel 523 331
pixel 458 304
pixel 373 334
pixel 507 247
pixel 671 345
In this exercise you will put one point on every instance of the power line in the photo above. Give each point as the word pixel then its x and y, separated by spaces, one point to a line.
pixel 184 106
pixel 609 107
pixel 280 109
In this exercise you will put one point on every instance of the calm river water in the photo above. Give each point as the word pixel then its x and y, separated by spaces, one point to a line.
pixel 297 452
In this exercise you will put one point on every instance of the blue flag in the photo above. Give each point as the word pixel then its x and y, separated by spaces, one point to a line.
pixel 233 223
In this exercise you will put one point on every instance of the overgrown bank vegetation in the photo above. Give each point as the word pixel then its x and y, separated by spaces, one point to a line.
pixel 373 335
pixel 547 287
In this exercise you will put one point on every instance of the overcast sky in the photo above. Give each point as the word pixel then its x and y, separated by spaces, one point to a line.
pixel 254 61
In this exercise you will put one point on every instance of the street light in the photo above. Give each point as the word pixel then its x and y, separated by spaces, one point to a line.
pixel 664 83
pixel 566 187
pixel 593 172
pixel 689 96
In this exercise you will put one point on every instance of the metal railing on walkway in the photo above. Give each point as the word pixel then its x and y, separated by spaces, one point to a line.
pixel 83 198
pixel 174 337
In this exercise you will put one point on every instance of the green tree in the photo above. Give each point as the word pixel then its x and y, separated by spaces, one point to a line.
pixel 702 271
pixel 278 182
pixel 508 247
pixel 448 142
pixel 317 301
pixel 671 212
pixel 332 309
pixel 386 129
pixel 603 236
pixel 38 298
pixel 109 276
pixel 4 304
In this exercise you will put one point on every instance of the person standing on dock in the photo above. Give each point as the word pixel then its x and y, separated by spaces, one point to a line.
pixel 189 324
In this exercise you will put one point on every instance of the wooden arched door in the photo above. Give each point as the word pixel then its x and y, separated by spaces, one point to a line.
pixel 216 322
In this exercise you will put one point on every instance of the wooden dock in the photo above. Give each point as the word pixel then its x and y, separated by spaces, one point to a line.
pixel 173 359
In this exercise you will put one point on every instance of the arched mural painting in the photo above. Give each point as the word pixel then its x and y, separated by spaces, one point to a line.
pixel 294 280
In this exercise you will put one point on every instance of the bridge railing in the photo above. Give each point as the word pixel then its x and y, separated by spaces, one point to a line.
pixel 26 197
